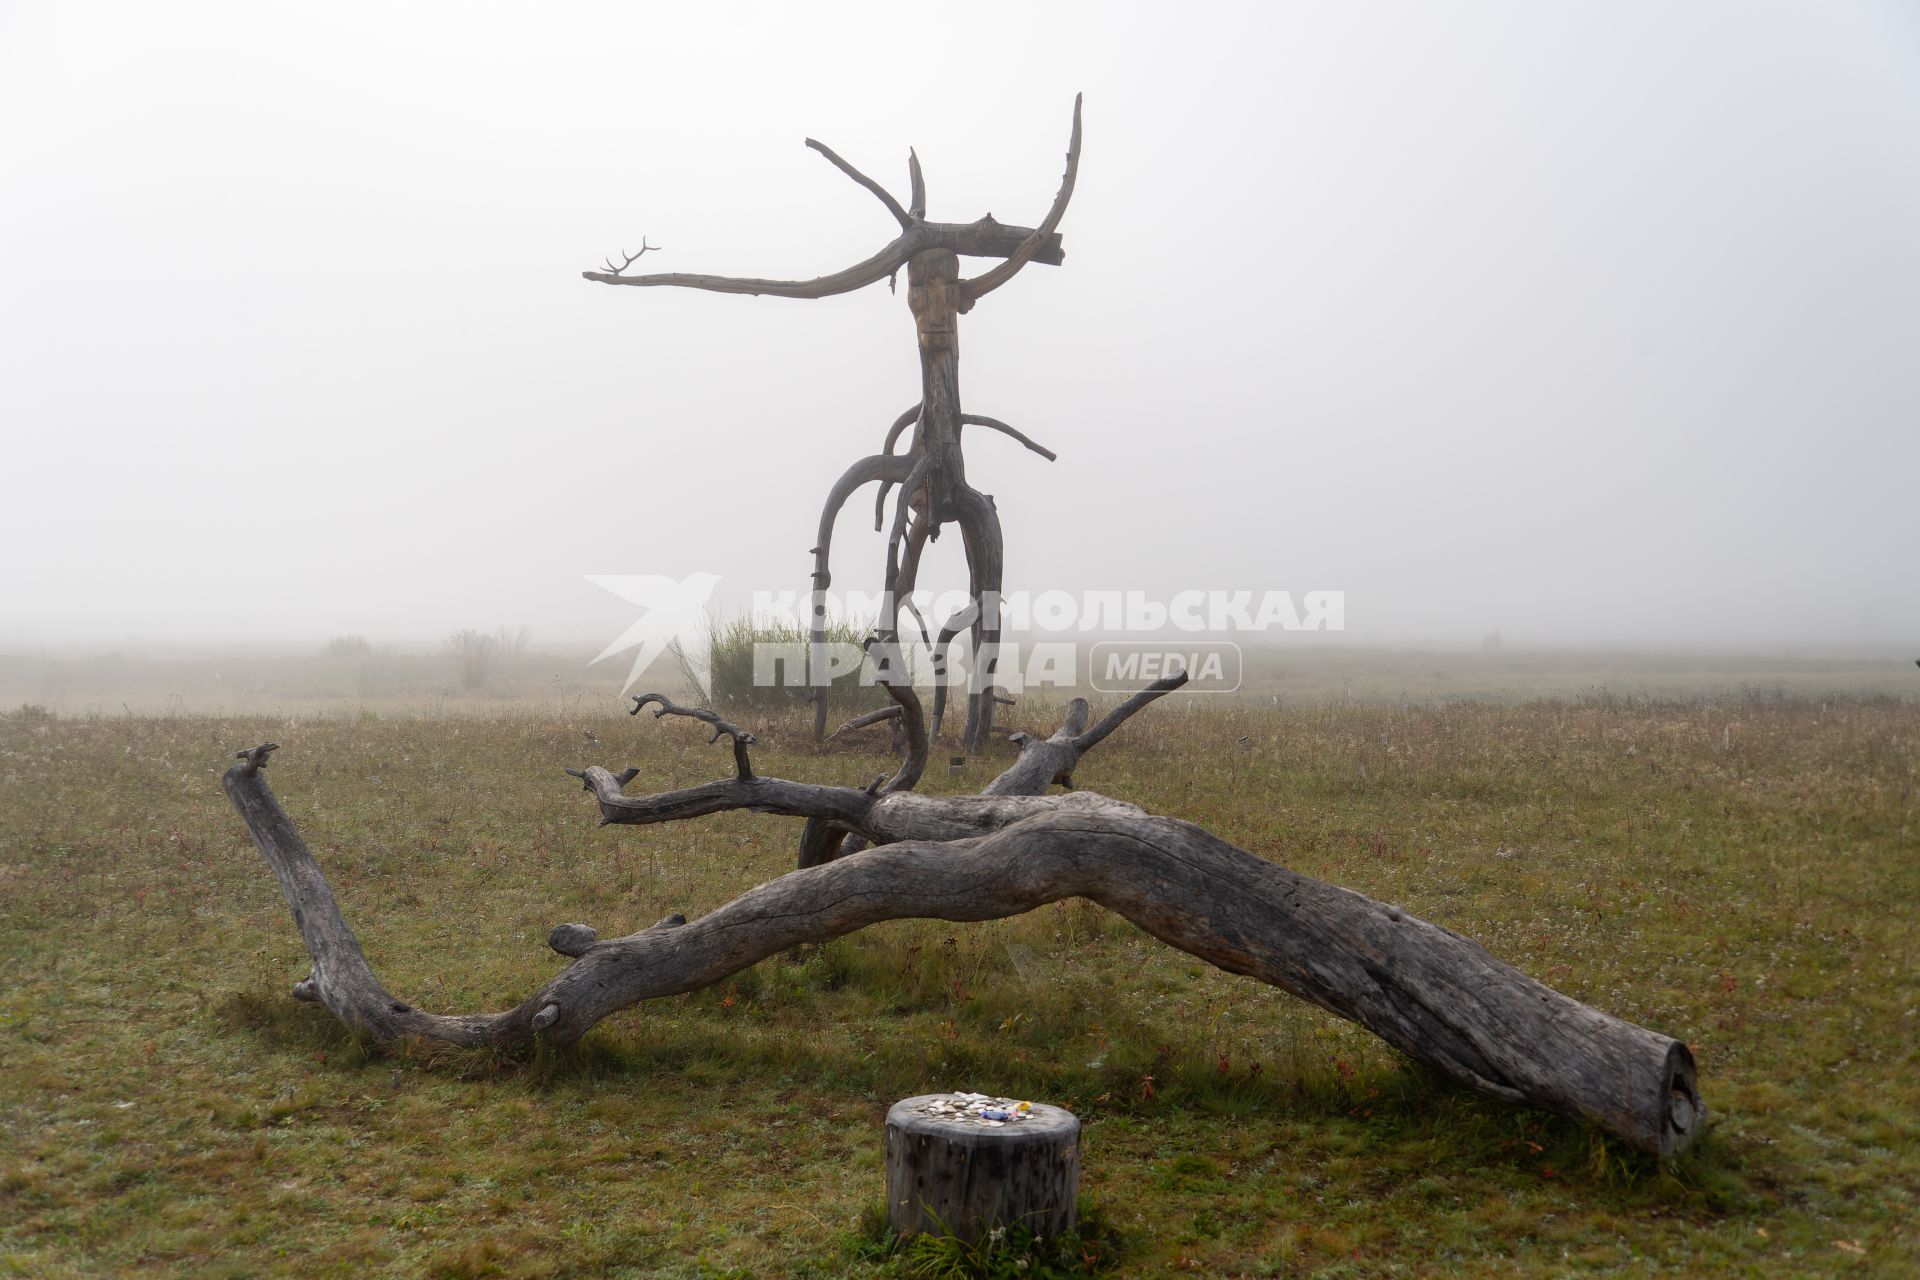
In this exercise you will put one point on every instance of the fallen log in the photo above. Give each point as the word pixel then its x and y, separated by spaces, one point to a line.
pixel 1426 990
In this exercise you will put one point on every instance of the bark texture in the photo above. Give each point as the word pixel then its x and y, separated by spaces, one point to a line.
pixel 958 1177
pixel 1424 989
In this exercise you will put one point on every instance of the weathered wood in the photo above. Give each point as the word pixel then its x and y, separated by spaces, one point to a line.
pixel 1424 989
pixel 1429 992
pixel 959 1177
pixel 983 238
pixel 933 473
pixel 986 557
pixel 743 765
pixel 978 287
pixel 888 468
pixel 1045 761
pixel 994 424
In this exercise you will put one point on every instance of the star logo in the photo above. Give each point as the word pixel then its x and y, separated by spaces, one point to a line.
pixel 673 618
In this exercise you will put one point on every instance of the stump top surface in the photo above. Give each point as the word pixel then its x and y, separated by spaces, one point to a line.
pixel 1044 1121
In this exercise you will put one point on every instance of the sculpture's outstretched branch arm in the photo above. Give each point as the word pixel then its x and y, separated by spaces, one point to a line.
pixel 994 424
pixel 981 238
pixel 971 291
pixel 881 193
pixel 861 274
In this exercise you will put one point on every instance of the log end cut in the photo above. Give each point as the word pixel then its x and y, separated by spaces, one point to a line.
pixel 1686 1114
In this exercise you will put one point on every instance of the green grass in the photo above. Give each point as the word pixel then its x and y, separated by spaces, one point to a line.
pixel 741 684
pixel 1743 875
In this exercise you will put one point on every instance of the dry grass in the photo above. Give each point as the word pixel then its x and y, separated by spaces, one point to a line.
pixel 1740 874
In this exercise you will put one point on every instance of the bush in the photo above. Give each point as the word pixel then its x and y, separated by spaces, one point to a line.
pixel 348 649
pixel 731 655
pixel 473 654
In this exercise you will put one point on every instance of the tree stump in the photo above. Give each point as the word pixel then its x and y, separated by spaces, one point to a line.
pixel 953 1173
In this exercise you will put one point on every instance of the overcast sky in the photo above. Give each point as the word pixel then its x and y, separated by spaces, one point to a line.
pixel 1590 323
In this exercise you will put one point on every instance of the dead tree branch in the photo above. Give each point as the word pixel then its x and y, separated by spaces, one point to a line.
pixel 979 420
pixel 917 198
pixel 980 286
pixel 1425 990
pixel 631 258
pixel 880 716
pixel 721 728
pixel 881 193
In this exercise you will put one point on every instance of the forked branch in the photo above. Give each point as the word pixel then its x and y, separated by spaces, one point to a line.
pixel 1046 761
pixel 631 258
pixel 721 728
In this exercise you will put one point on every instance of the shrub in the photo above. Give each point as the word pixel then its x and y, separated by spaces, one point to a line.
pixel 731 655
pixel 473 653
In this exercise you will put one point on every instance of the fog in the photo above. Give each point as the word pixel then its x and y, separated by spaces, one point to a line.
pixel 1593 324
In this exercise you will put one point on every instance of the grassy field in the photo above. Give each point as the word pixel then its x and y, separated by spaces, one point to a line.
pixel 390 681
pixel 1741 873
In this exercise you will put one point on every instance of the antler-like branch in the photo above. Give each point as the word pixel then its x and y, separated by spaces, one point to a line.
pixel 878 267
pixel 971 291
pixel 900 215
pixel 631 258
pixel 721 728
